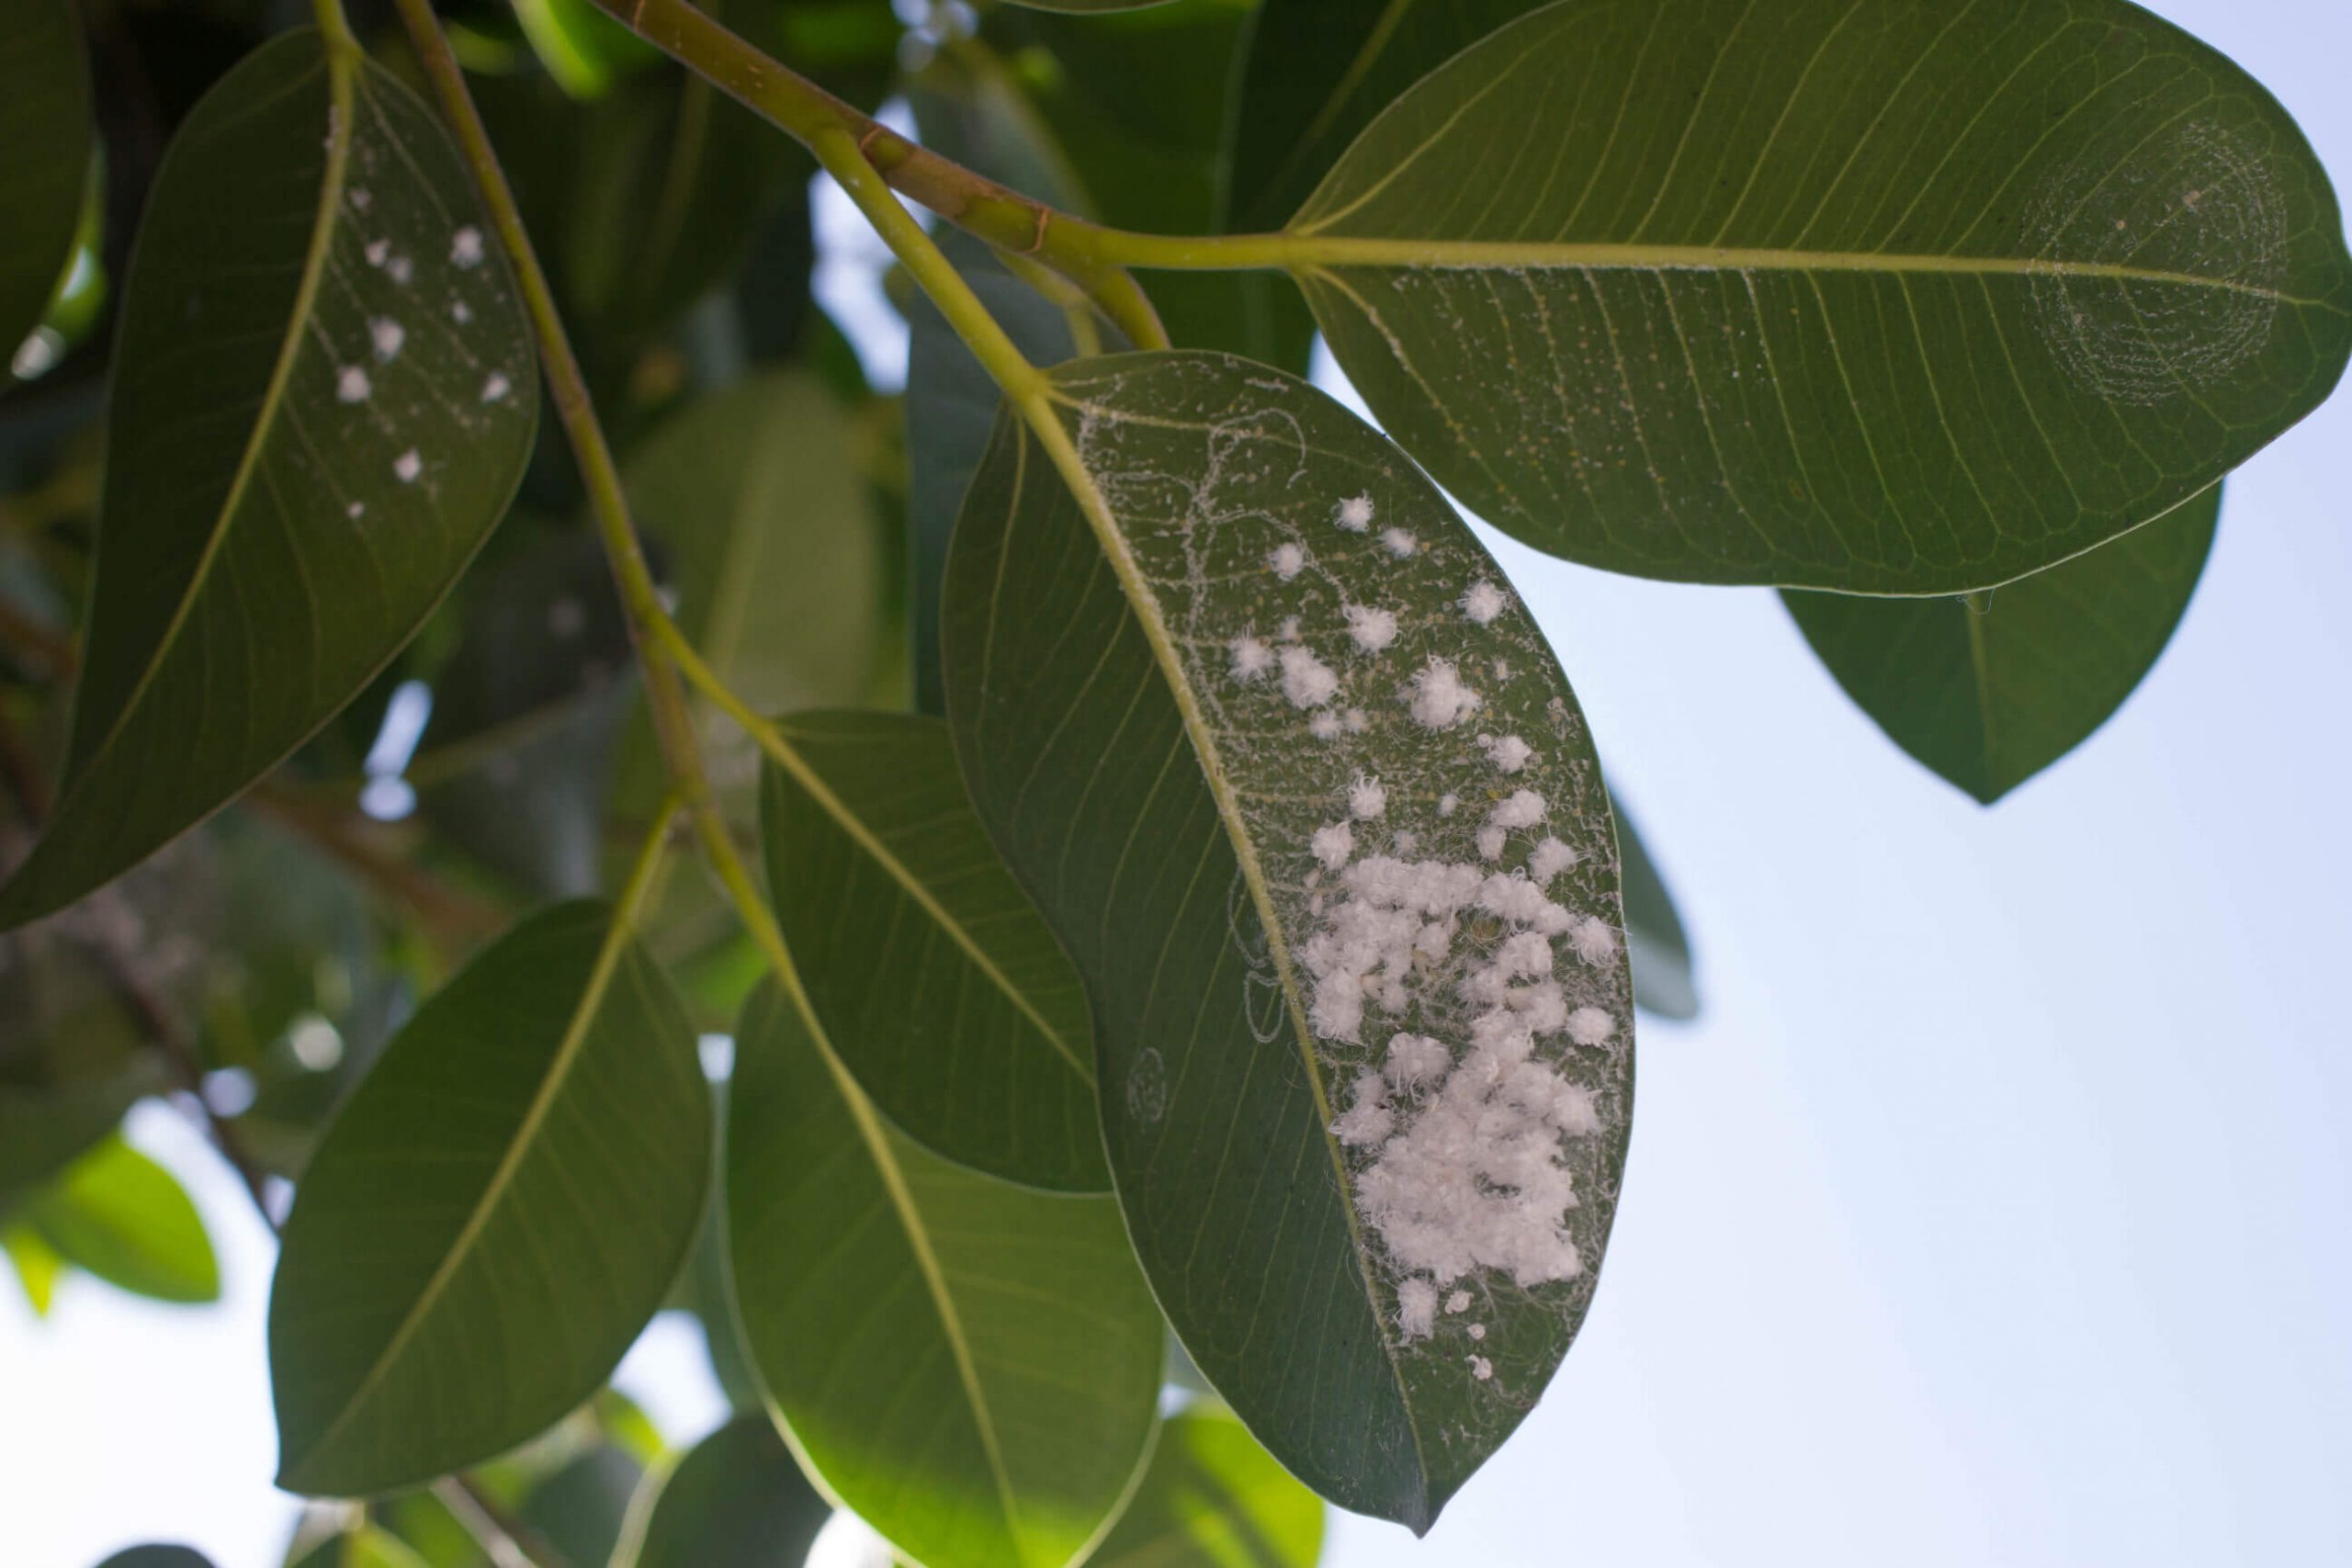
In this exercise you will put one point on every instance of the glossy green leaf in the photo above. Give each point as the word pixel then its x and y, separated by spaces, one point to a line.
pixel 36 1265
pixel 990 1362
pixel 493 1216
pixel 158 1557
pixel 45 126
pixel 1989 692
pixel 1213 1498
pixel 323 397
pixel 365 1547
pixel 117 1215
pixel 1660 949
pixel 948 999
pixel 1863 294
pixel 737 1500
pixel 1221 713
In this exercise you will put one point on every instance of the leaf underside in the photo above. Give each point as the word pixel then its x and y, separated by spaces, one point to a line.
pixel 1155 759
pixel 323 397
pixel 737 1500
pixel 1988 694
pixel 493 1216
pixel 1861 295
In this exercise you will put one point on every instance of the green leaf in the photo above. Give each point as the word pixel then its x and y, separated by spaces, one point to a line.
pixel 43 1130
pixel 1655 939
pixel 36 1262
pixel 1213 1498
pixel 1087 7
pixel 158 1557
pixel 269 538
pixel 117 1215
pixel 737 1501
pixel 1989 692
pixel 493 1216
pixel 365 1547
pixel 992 1357
pixel 1194 705
pixel 1861 295
pixel 580 1510
pixel 948 999
pixel 45 126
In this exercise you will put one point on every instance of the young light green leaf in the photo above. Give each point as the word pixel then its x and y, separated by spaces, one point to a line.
pixel 365 1547
pixel 117 1215
pixel 323 397
pixel 947 997
pixel 36 1263
pixel 737 1501
pixel 494 1214
pixel 1256 721
pixel 1213 1498
pixel 1861 295
pixel 45 126
pixel 992 1357
pixel 1655 939
pixel 1989 692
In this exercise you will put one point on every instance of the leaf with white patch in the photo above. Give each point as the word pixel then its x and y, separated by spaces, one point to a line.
pixel 324 396
pixel 1262 729
pixel 1862 295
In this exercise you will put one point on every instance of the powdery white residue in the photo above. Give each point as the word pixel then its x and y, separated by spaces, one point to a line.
pixel 387 335
pixel 1593 940
pixel 1355 513
pixel 464 247
pixel 1367 797
pixel 1252 660
pixel 1288 562
pixel 1484 602
pixel 1438 698
pixel 1509 753
pixel 1373 629
pixel 1590 1026
pixel 1357 720
pixel 408 466
pixel 1289 632
pixel 1458 1303
pixel 1333 843
pixel 1400 543
pixel 1307 682
pixel 1408 841
pixel 1415 1060
pixel 495 386
pixel 1416 1309
pixel 1550 858
pixel 1478 1331
pixel 1326 726
pixel 1490 843
pixel 1524 808
pixel 1482 1369
pixel 1368 1118
pixel 351 385
pixel 460 312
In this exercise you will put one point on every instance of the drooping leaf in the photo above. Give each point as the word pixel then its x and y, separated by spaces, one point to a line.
pixel 45 126
pixel 36 1263
pixel 1655 939
pixel 737 1500
pixel 364 1546
pixel 945 994
pixel 1257 723
pixel 1213 1498
pixel 991 1357
pixel 1988 693
pixel 117 1215
pixel 323 397
pixel 494 1214
pixel 1861 295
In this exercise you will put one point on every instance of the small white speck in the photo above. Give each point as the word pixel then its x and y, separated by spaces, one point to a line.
pixel 1509 753
pixel 1355 513
pixel 1400 543
pixel 465 246
pixel 461 312
pixel 400 269
pixel 1490 843
pixel 408 466
pixel 1448 804
pixel 1289 630
pixel 1458 1303
pixel 1502 669
pixel 1482 1369
pixel 1590 1026
pixel 356 510
pixel 389 336
pixel 1358 721
pixel 379 252
pixel 1367 798
pixel 1478 1331
pixel 495 387
pixel 360 200
pixel 1307 682
pixel 1288 562
pixel 1324 726
pixel 1252 660
pixel 1484 602
pixel 1333 843
pixel 351 385
pixel 1373 629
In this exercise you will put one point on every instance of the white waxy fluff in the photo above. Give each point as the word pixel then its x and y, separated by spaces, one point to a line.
pixel 1367 797
pixel 1524 808
pixel 1252 660
pixel 1416 1059
pixel 1550 858
pixel 1333 843
pixel 1355 513
pixel 1439 699
pixel 1288 562
pixel 1373 629
pixel 1590 1026
pixel 1509 753
pixel 408 466
pixel 465 247
pixel 351 385
pixel 1416 1309
pixel 1484 602
pixel 1307 682
pixel 1593 940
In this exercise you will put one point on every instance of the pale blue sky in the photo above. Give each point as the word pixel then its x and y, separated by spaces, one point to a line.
pixel 1996 1213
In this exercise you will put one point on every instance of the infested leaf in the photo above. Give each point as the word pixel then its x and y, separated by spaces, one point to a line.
pixel 494 1214
pixel 323 397
pixel 1860 295
pixel 1989 694
pixel 737 1500
pixel 45 126
pixel 1257 722
pixel 992 1357
pixel 118 1216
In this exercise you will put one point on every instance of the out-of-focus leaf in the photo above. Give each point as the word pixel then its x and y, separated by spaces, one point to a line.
pixel 306 444
pixel 1213 1498
pixel 584 49
pixel 117 1215
pixel 45 126
pixel 1655 939
pixel 992 1357
pixel 1306 797
pixel 930 970
pixel 1988 694
pixel 1743 301
pixel 1089 8
pixel 364 1546
pixel 737 1500
pixel 42 1131
pixel 158 1557
pixel 36 1262
pixel 578 1510
pixel 493 1216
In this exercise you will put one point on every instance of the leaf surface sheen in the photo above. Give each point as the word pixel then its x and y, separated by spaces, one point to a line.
pixel 1988 694
pixel 946 996
pixel 323 398
pixel 1861 295
pixel 493 1216
pixel 991 1373
pixel 1159 712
